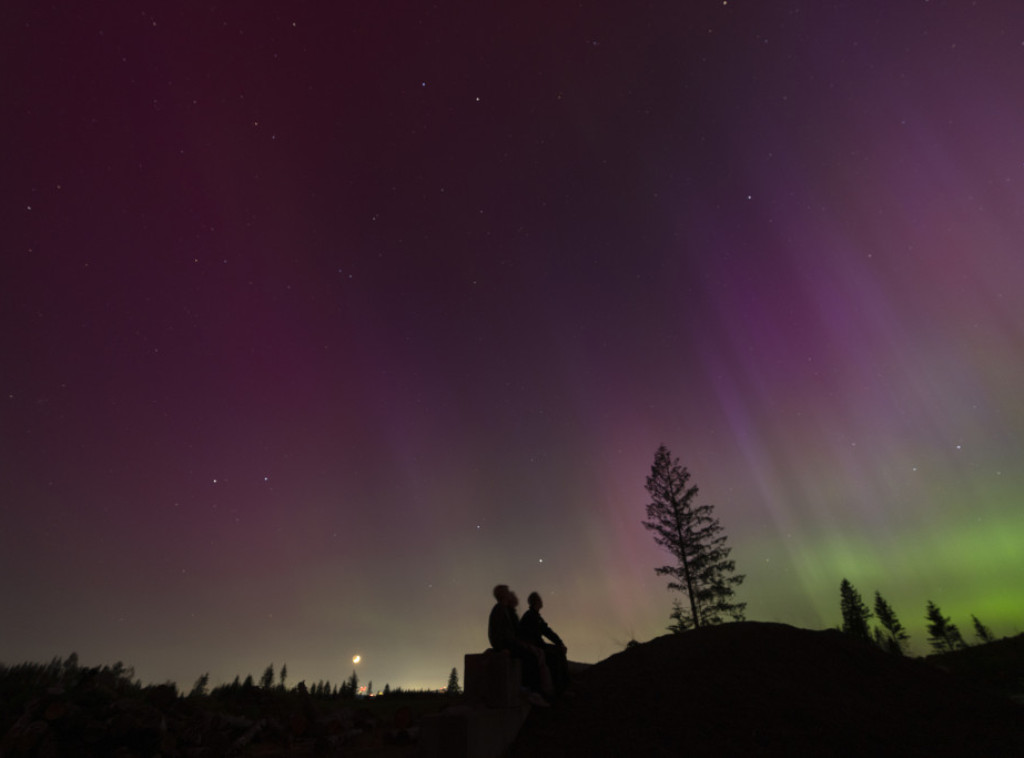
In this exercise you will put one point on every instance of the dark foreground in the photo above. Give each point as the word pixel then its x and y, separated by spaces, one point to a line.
pixel 759 689
pixel 91 713
pixel 747 689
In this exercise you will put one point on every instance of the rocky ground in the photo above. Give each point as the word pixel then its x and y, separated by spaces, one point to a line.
pixel 759 689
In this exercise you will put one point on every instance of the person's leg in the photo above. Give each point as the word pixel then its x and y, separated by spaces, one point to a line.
pixel 558 665
pixel 547 686
pixel 531 671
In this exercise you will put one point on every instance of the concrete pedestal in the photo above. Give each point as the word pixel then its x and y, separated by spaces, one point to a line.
pixel 490 719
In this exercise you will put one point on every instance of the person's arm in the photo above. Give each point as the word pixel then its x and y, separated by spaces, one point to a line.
pixel 548 632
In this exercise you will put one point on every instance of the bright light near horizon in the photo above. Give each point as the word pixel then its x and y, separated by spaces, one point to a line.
pixel 356 658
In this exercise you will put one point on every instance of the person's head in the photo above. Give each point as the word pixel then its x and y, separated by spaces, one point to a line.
pixel 501 592
pixel 535 601
pixel 513 600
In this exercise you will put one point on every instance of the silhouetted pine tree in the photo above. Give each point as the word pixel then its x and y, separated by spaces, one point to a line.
pixel 942 634
pixel 199 688
pixel 353 684
pixel 702 567
pixel 267 680
pixel 283 674
pixel 453 683
pixel 680 621
pixel 895 635
pixel 983 633
pixel 855 612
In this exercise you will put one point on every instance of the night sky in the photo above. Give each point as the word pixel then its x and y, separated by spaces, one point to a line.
pixel 319 319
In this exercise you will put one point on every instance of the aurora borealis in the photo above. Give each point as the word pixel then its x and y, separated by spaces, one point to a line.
pixel 320 321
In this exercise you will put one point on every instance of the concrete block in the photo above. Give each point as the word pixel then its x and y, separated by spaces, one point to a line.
pixel 494 679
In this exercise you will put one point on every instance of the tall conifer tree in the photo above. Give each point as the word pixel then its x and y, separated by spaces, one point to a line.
pixel 353 684
pixel 702 568
pixel 453 683
pixel 943 635
pixel 895 635
pixel 855 612
pixel 983 633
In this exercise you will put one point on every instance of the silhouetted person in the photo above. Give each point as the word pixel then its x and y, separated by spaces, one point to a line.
pixel 502 632
pixel 501 626
pixel 532 630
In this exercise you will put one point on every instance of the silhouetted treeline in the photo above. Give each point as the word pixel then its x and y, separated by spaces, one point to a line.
pixel 62 708
pixel 21 683
pixel 67 674
pixel 890 635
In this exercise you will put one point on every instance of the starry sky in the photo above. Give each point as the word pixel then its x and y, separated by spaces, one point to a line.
pixel 319 319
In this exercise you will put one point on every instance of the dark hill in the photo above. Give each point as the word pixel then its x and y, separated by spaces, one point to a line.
pixel 759 689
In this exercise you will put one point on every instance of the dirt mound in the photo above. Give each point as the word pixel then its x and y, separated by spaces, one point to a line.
pixel 771 689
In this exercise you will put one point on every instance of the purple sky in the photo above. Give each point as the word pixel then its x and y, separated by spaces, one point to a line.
pixel 319 322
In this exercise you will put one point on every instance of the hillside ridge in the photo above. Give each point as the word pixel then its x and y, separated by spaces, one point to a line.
pixel 773 689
